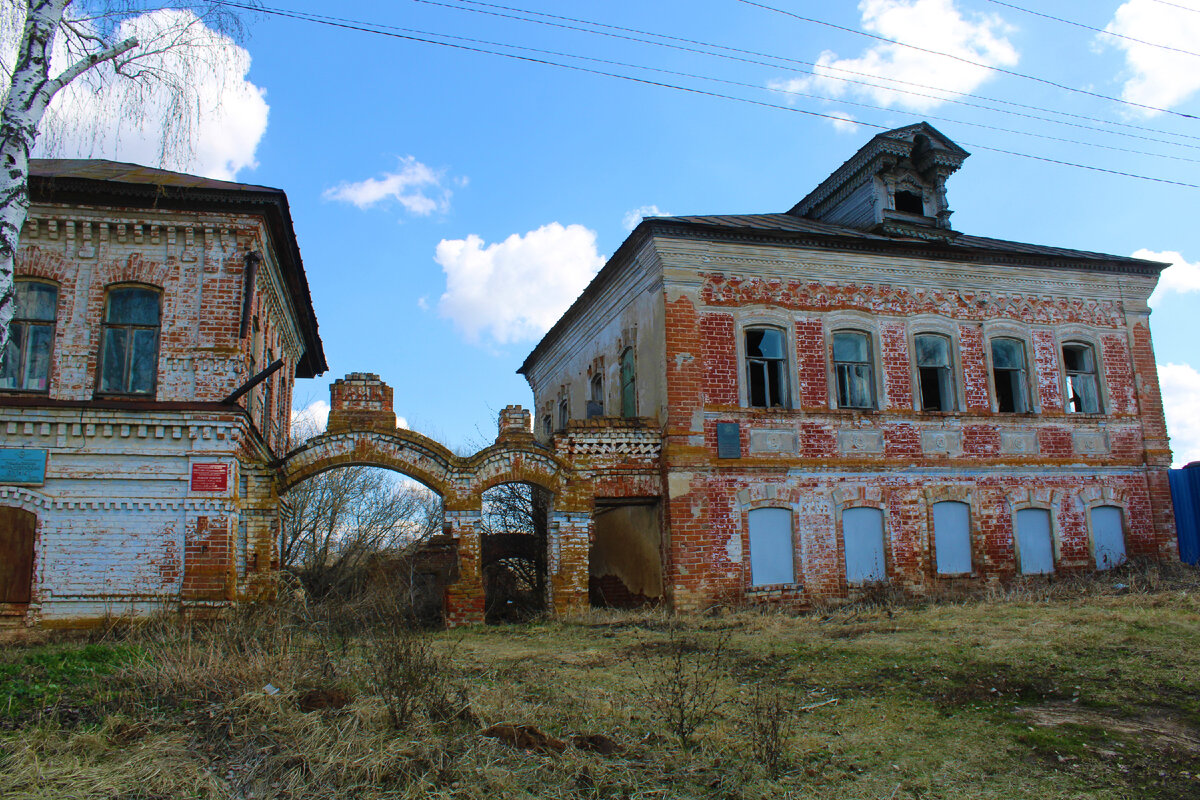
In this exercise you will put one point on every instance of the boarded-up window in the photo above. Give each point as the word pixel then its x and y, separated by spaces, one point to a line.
pixel 952 537
pixel 1035 547
pixel 1108 536
pixel 771 546
pixel 862 534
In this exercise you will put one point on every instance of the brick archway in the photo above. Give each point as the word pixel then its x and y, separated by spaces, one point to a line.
pixel 362 431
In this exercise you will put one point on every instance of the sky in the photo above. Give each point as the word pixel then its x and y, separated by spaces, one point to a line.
pixel 450 203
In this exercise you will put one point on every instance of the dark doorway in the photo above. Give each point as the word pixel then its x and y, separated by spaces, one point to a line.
pixel 625 564
pixel 17 527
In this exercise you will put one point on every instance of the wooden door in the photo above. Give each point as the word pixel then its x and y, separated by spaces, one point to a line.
pixel 16 554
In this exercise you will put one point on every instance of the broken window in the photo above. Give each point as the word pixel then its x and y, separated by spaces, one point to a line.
pixel 628 384
pixel 1079 362
pixel 547 425
pixel 595 407
pixel 862 537
pixel 770 546
pixel 1108 536
pixel 853 370
pixel 934 376
pixel 30 338
pixel 765 368
pixel 129 341
pixel 1008 371
pixel 910 203
pixel 1035 547
pixel 952 537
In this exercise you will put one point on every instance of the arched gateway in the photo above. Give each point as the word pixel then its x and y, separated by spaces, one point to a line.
pixel 362 431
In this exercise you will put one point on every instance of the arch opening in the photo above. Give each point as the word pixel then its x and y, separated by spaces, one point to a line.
pixel 514 531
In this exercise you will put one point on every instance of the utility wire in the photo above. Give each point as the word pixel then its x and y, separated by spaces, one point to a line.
pixel 1092 28
pixel 963 60
pixel 367 27
pixel 1177 5
pixel 810 64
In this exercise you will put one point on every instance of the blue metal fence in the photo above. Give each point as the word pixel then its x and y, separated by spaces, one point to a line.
pixel 1185 495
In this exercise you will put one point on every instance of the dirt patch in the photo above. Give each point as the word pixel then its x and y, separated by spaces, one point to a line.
pixel 525 737
pixel 1159 728
pixel 319 698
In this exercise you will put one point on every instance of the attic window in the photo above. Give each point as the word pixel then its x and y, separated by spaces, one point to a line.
pixel 910 203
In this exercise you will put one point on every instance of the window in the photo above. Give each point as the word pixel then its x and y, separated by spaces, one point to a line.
pixel 595 406
pixel 1079 362
pixel 1035 548
pixel 952 537
pixel 910 203
pixel 934 377
pixel 771 546
pixel 30 338
pixel 852 370
pixel 1008 371
pixel 628 384
pixel 129 342
pixel 1108 536
pixel 862 535
pixel 547 425
pixel 564 413
pixel 765 368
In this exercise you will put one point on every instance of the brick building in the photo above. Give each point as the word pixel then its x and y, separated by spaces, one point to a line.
pixel 852 391
pixel 132 475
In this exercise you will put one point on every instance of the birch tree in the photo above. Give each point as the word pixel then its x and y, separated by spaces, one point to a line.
pixel 155 52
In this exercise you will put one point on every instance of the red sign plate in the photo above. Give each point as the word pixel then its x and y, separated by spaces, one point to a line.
pixel 210 477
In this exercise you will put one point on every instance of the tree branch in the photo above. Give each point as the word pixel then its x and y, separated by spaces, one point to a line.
pixel 84 64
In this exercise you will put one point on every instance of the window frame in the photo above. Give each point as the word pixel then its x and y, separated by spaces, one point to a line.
pixel 885 539
pixel 747 361
pixel 105 326
pixel 1029 379
pixel 26 324
pixel 952 369
pixel 933 537
pixel 627 368
pixel 871 362
pixel 1096 373
pixel 1124 514
pixel 793 550
pixel 564 411
pixel 1055 555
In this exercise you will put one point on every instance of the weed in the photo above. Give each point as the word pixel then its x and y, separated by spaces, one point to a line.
pixel 682 684
pixel 770 723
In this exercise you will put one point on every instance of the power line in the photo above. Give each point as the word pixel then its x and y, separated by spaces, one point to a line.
pixel 366 27
pixel 1092 28
pixel 810 64
pixel 1014 73
pixel 1177 5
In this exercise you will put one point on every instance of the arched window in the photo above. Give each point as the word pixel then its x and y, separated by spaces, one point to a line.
pixel 1008 372
pixel 1079 363
pixel 853 370
pixel 628 384
pixel 564 413
pixel 1035 543
pixel 596 396
pixel 862 537
pixel 129 341
pixel 1108 536
pixel 770 546
pixel 935 377
pixel 30 338
pixel 952 537
pixel 766 368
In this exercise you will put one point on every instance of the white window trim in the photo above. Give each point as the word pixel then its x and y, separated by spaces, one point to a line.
pixel 1004 330
pixel 786 324
pixel 855 322
pixel 1077 335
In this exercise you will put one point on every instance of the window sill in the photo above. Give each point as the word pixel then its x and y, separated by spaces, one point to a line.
pixel 773 588
pixel 27 392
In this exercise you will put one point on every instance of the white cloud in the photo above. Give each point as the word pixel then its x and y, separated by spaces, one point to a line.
pixel 1155 76
pixel 515 290
pixel 632 218
pixel 415 186
pixel 1182 277
pixel 844 123
pixel 1180 384
pixel 214 131
pixel 933 24
pixel 423 302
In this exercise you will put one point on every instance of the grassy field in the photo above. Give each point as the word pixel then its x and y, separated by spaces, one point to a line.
pixel 1078 689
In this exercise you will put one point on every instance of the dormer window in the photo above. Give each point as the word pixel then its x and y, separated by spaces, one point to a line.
pixel 910 203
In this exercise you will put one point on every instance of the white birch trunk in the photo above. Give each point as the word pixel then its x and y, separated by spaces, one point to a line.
pixel 29 95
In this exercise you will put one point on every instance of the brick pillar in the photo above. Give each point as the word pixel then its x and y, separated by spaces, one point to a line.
pixel 464 597
pixel 360 402
pixel 568 540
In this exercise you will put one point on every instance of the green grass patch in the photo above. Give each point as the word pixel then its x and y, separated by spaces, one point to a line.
pixel 40 678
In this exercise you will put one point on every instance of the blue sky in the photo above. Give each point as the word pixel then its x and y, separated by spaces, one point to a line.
pixel 450 203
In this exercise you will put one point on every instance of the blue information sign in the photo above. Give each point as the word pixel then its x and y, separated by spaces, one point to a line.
pixel 20 465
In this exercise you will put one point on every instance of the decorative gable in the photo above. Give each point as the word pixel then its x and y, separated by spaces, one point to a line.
pixel 894 185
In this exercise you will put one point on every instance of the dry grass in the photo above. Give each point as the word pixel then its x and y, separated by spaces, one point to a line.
pixel 1079 688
